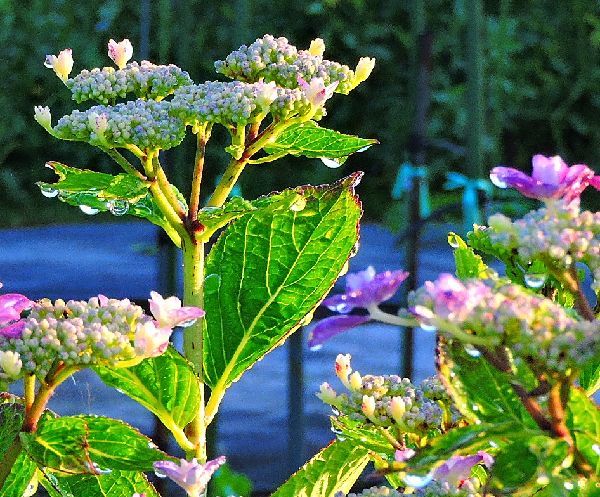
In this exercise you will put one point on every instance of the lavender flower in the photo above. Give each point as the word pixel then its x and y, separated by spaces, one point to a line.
pixel 192 476
pixel 458 468
pixel 551 179
pixel 11 307
pixel 365 289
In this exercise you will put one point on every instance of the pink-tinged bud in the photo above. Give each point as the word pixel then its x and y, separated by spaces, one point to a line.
pixel 356 381
pixel 192 476
pixel 403 455
pixel 363 70
pixel 368 407
pixel 343 368
pixel 327 394
pixel 150 340
pixel 62 64
pixel 169 313
pixel 317 47
pixel 10 364
pixel 121 52
pixel 98 124
pixel 316 92
pixel 397 409
pixel 43 117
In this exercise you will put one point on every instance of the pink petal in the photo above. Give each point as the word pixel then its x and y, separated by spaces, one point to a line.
pixel 13 330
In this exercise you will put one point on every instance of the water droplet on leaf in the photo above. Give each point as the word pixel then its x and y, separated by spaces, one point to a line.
pixel 331 163
pixel 535 280
pixel 90 211
pixel 427 327
pixel 298 205
pixel 472 351
pixel 118 207
pixel 596 449
pixel 48 191
pixel 417 481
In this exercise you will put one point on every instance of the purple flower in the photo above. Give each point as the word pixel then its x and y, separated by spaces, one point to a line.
pixel 11 306
pixel 190 475
pixel 364 289
pixel 169 313
pixel 551 178
pixel 403 455
pixel 458 468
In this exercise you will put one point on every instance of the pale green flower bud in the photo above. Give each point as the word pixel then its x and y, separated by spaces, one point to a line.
pixel 62 64
pixel 317 47
pixel 43 117
pixel 10 363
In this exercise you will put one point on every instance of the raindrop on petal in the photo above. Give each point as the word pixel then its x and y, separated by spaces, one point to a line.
pixel 185 324
pixel 48 191
pixel 497 181
pixel 90 211
pixel 535 280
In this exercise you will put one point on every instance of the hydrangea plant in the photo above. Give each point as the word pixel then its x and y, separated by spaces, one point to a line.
pixel 272 261
pixel 511 410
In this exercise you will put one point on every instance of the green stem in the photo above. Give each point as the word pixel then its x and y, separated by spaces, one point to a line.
pixel 29 390
pixel 201 140
pixel 166 187
pixel 378 315
pixel 193 295
pixel 123 162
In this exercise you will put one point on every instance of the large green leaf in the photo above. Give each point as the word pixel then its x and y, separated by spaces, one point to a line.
pixel 334 469
pixel 583 419
pixel 165 385
pixel 90 444
pixel 370 437
pixel 269 270
pixel 22 479
pixel 589 379
pixel 120 194
pixel 468 263
pixel 310 140
pixel 114 484
pixel 11 420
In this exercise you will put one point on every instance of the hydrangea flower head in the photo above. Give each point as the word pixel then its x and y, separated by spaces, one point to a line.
pixel 121 52
pixel 190 475
pixel 61 64
pixel 551 178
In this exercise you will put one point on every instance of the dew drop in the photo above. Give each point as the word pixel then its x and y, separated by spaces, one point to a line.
pixel 341 307
pixel 90 211
pixel 417 481
pixel 497 181
pixel 331 163
pixel 472 351
pixel 363 149
pixel 152 445
pixel 316 347
pixel 159 474
pixel 596 449
pixel 535 280
pixel 355 249
pixel 428 327
pixel 118 207
pixel 568 485
pixel 298 205
pixel 187 323
pixel 48 192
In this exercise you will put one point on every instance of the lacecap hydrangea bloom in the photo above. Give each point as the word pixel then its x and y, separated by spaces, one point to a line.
pixel 390 401
pixel 496 313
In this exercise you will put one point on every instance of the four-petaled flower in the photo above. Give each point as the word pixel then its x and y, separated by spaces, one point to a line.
pixel 62 64
pixel 121 52
pixel 11 307
pixel 169 313
pixel 315 91
pixel 458 468
pixel 190 475
pixel 365 289
pixel 551 178
pixel 151 340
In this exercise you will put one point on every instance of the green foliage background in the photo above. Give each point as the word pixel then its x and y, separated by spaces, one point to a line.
pixel 541 61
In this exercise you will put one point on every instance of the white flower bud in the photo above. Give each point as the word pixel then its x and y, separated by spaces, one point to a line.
pixel 355 381
pixel 121 52
pixel 62 64
pixel 397 409
pixel 327 394
pixel 317 47
pixel 43 117
pixel 363 69
pixel 343 368
pixel 10 363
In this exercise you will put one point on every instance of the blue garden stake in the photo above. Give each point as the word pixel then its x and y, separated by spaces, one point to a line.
pixel 470 201
pixel 404 182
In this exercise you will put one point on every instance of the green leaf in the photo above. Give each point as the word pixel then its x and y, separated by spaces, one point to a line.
pixel 468 263
pixel 114 484
pixel 269 270
pixel 226 481
pixel 589 379
pixel 369 437
pixel 479 390
pixel 514 465
pixel 165 385
pixel 332 470
pixel 97 190
pixel 90 444
pixel 11 420
pixel 583 419
pixel 22 479
pixel 310 140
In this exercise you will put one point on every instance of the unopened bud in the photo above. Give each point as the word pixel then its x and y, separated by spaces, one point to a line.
pixel 317 47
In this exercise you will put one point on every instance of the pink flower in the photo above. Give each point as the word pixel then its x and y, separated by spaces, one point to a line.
pixel 169 313
pixel 150 340
pixel 458 468
pixel 11 306
pixel 62 64
pixel 551 178
pixel 121 52
pixel 191 476
pixel 403 455
pixel 316 92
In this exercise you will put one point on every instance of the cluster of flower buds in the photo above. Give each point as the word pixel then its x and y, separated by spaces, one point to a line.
pixel 98 331
pixel 147 124
pixel 434 489
pixel 560 233
pixel 144 80
pixel 235 103
pixel 390 401
pixel 275 59
pixel 497 313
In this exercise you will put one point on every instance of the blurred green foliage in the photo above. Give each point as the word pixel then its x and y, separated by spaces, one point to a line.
pixel 541 60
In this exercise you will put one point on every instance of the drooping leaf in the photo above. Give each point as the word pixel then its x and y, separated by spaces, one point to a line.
pixel 90 444
pixel 120 194
pixel 269 270
pixel 468 263
pixel 114 484
pixel 583 419
pixel 589 378
pixel 22 480
pixel 370 438
pixel 165 385
pixel 310 140
pixel 332 470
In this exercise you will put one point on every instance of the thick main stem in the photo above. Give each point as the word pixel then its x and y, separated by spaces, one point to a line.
pixel 193 295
